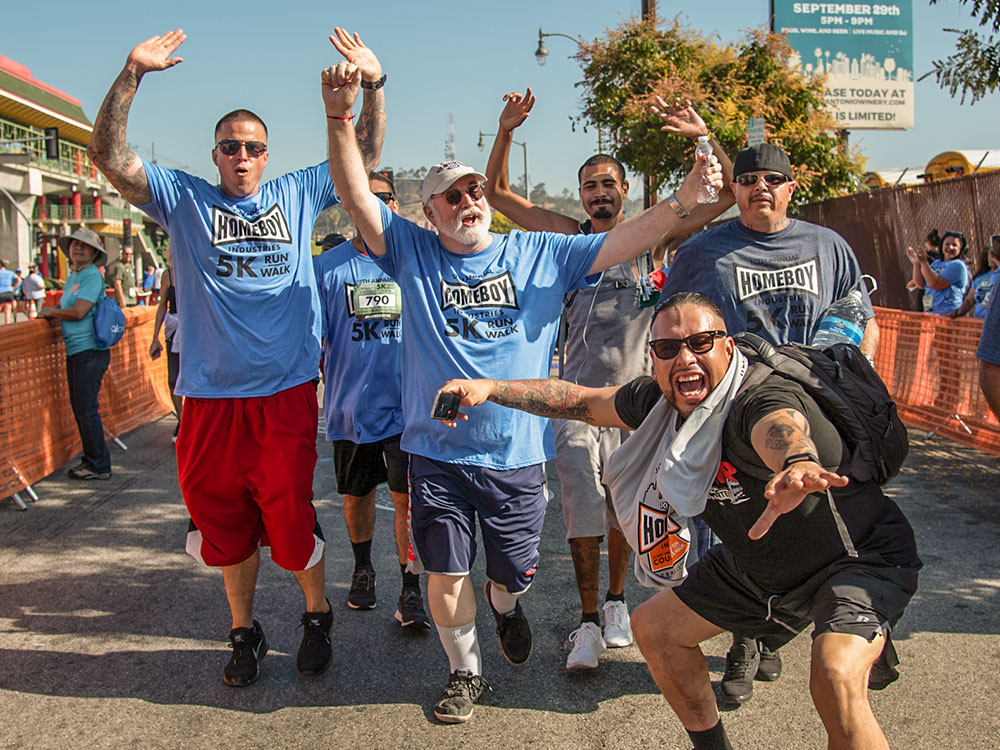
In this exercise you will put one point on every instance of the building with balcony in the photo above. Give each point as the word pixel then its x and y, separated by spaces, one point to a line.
pixel 42 199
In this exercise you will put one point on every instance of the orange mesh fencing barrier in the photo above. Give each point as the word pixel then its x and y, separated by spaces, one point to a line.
pixel 37 431
pixel 929 364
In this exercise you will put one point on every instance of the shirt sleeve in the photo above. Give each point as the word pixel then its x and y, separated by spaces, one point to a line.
pixel 634 401
pixel 955 273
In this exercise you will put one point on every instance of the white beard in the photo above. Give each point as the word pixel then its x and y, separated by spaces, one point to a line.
pixel 456 230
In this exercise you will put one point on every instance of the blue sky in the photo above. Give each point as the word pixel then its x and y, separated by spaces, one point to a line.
pixel 440 58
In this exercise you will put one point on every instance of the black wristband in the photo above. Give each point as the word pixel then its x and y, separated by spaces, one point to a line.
pixel 373 85
pixel 799 458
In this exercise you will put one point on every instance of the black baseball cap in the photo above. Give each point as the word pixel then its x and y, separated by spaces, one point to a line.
pixel 763 156
pixel 332 240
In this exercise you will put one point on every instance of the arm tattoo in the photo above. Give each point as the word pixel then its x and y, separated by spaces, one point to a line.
pixel 370 130
pixel 789 432
pixel 546 398
pixel 108 149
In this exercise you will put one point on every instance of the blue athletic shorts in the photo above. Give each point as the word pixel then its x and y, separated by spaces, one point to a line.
pixel 445 499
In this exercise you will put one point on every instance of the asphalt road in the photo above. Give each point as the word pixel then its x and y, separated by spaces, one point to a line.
pixel 112 637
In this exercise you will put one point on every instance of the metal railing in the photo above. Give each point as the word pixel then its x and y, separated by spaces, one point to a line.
pixel 85 212
pixel 72 159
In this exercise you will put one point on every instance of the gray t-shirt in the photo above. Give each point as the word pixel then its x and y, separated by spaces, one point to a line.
pixel 774 284
pixel 607 335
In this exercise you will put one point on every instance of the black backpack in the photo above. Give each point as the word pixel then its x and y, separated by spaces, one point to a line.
pixel 850 393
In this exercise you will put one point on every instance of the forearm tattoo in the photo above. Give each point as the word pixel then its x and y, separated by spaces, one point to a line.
pixel 370 130
pixel 546 398
pixel 108 149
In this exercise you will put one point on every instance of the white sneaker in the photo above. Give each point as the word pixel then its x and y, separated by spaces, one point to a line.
pixel 588 645
pixel 617 625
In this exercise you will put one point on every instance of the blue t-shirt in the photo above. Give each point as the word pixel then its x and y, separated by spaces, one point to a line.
pixel 243 266
pixel 981 287
pixel 87 284
pixel 361 354
pixel 956 273
pixel 989 340
pixel 774 284
pixel 493 314
pixel 7 280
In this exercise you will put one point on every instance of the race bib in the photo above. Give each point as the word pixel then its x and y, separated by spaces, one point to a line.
pixel 377 301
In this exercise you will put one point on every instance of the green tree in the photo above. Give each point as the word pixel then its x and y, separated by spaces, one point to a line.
pixel 500 224
pixel 974 69
pixel 728 84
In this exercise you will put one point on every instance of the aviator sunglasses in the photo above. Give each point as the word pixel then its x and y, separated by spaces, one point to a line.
pixel 454 196
pixel 698 343
pixel 231 147
pixel 773 179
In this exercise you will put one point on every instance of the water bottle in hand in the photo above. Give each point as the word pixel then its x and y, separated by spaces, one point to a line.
pixel 706 193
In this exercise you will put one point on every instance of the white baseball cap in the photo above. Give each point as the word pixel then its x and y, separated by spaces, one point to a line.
pixel 442 176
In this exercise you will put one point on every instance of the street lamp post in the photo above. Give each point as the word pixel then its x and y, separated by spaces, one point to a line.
pixel 527 185
pixel 541 54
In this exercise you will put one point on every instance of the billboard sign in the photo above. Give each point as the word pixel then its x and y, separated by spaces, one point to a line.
pixel 866 52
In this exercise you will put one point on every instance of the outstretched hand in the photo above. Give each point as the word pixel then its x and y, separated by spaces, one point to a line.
pixel 517 109
pixel 473 393
pixel 788 488
pixel 155 53
pixel 356 53
pixel 340 89
pixel 679 118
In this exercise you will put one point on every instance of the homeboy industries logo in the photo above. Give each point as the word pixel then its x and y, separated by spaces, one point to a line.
pixel 229 228
pixel 802 277
pixel 491 292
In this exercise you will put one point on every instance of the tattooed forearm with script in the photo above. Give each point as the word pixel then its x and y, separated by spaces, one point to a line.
pixel 108 149
pixel 782 433
pixel 546 398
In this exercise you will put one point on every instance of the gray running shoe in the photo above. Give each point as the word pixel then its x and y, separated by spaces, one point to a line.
pixel 456 702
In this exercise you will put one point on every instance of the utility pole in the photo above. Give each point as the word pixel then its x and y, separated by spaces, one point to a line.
pixel 648 194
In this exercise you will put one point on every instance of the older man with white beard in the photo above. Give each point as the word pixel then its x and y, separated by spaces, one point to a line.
pixel 475 305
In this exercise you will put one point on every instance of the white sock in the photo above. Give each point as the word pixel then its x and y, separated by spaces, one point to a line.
pixel 462 647
pixel 502 600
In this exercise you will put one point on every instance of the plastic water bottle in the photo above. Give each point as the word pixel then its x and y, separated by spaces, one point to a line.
pixel 706 193
pixel 843 322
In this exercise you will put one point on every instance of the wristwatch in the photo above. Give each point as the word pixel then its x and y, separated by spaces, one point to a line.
pixel 373 85
pixel 676 205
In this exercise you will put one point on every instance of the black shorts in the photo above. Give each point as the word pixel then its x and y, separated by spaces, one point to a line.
pixel 6 297
pixel 862 595
pixel 360 468
pixel 173 364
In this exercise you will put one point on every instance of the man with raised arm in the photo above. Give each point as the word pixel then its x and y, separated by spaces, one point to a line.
pixel 607 330
pixel 801 542
pixel 475 304
pixel 772 276
pixel 250 334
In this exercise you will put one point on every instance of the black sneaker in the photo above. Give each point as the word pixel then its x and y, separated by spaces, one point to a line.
pixel 410 610
pixel 314 651
pixel 249 647
pixel 456 702
pixel 85 472
pixel 362 593
pixel 513 631
pixel 742 661
pixel 770 664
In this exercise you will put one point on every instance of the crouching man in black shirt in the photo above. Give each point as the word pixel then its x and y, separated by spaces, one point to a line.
pixel 800 542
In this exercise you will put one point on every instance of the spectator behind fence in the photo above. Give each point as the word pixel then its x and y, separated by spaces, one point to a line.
pixel 86 360
pixel 986 276
pixel 34 292
pixel 944 281
pixel 7 282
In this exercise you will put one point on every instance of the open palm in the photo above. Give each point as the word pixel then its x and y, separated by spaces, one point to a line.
pixel 155 53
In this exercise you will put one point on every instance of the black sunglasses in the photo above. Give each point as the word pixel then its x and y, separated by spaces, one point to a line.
pixel 699 343
pixel 454 196
pixel 384 197
pixel 231 147
pixel 771 179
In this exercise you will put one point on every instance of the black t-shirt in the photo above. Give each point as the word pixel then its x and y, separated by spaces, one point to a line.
pixel 805 540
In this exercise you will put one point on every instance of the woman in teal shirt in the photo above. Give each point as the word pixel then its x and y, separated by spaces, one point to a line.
pixel 86 360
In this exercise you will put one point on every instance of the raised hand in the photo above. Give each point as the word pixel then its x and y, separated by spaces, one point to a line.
pixel 155 53
pixel 713 173
pixel 914 255
pixel 679 118
pixel 355 52
pixel 340 88
pixel 517 109
pixel 788 488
